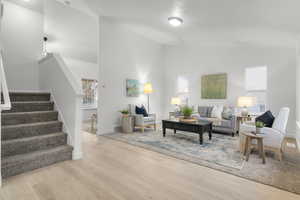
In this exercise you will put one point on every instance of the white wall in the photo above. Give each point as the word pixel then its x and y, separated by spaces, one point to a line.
pixel 298 94
pixel 21 36
pixel 56 78
pixel 193 61
pixel 82 69
pixel 71 32
pixel 123 55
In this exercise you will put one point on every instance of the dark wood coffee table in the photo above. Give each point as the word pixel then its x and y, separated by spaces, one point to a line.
pixel 199 127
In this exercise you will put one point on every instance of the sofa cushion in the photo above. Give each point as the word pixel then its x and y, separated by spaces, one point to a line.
pixel 217 112
pixel 202 110
pixel 149 119
pixel 209 111
pixel 226 123
pixel 141 111
pixel 227 113
pixel 267 118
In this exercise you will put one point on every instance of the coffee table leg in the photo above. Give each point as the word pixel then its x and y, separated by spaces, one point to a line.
pixel 210 132
pixel 174 131
pixel 164 131
pixel 201 138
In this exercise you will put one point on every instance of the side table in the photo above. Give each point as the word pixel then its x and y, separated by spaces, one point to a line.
pixel 249 137
pixel 127 123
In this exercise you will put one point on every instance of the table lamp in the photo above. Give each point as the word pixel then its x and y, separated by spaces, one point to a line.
pixel 176 101
pixel 245 102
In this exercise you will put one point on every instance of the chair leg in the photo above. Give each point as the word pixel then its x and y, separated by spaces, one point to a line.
pixel 143 129
pixel 296 144
pixel 279 153
pixel 284 144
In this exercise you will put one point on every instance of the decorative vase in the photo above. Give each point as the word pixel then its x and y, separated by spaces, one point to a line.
pixel 187 117
pixel 258 130
pixel 127 123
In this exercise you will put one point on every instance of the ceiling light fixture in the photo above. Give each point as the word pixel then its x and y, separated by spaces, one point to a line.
pixel 175 21
pixel 67 2
pixel 26 0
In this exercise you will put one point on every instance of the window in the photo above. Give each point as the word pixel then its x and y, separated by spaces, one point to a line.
pixel 256 86
pixel 89 88
pixel 183 89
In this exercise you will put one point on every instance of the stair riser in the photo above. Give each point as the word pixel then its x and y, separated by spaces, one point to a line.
pixel 11 169
pixel 21 147
pixel 24 118
pixel 28 97
pixel 10 133
pixel 30 107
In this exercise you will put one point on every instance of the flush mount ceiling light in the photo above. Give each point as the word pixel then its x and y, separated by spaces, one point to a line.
pixel 175 21
pixel 67 2
pixel 26 0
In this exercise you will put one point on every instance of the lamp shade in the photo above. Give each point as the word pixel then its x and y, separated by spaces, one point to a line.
pixel 148 88
pixel 246 101
pixel 175 101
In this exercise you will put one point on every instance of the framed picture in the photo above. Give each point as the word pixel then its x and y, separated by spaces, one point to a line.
pixel 133 88
pixel 89 88
pixel 214 86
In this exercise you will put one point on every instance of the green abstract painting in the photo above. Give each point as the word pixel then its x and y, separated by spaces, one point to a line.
pixel 133 88
pixel 214 86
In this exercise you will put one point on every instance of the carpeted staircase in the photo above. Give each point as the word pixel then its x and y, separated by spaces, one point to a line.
pixel 32 136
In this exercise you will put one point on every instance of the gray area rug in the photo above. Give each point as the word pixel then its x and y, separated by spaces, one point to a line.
pixel 220 153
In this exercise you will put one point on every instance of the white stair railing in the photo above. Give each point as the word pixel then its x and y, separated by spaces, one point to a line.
pixel 5 104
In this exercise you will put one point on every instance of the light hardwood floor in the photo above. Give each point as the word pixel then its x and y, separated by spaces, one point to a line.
pixel 117 171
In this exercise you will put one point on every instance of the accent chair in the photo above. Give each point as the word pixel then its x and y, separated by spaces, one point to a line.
pixel 142 122
pixel 273 137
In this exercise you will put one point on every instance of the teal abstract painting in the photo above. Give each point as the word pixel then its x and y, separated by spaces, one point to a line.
pixel 133 88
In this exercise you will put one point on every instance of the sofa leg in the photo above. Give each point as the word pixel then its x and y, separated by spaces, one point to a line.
pixel 232 134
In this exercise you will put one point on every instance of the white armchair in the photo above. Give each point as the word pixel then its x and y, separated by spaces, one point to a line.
pixel 273 137
pixel 142 122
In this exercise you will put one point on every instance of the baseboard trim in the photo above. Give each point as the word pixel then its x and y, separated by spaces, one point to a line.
pixel 77 155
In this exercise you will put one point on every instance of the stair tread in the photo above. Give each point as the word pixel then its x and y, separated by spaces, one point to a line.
pixel 33 154
pixel 32 135
pixel 31 93
pixel 32 112
pixel 31 102
pixel 25 139
pixel 30 124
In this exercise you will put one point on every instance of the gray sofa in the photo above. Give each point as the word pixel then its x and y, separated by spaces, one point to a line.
pixel 225 125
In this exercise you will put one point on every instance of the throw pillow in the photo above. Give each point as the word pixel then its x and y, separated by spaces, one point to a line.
pixel 267 118
pixel 141 111
pixel 227 113
pixel 217 112
pixel 209 111
pixel 203 111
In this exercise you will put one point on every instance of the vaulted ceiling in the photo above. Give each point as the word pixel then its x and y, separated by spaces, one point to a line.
pixel 274 22
pixel 206 22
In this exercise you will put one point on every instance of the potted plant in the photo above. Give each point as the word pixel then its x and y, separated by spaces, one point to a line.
pixel 259 126
pixel 187 112
pixel 124 112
